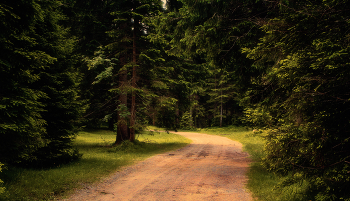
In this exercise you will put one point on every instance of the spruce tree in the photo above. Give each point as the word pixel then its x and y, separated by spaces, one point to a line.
pixel 59 81
pixel 39 93
pixel 121 59
pixel 22 125
pixel 89 21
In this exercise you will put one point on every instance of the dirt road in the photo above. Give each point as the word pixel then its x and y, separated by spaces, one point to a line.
pixel 211 168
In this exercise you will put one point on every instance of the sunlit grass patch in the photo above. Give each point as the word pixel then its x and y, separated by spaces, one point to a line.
pixel 98 161
pixel 155 128
pixel 266 186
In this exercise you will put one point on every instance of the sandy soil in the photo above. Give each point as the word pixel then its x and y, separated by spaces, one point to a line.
pixel 211 168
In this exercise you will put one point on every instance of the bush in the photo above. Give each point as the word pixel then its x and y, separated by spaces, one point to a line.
pixel 2 189
pixel 186 121
pixel 310 153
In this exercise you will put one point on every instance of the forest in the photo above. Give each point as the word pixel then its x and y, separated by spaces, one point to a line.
pixel 275 65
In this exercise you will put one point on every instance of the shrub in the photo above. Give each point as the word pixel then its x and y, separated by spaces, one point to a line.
pixel 186 121
pixel 2 189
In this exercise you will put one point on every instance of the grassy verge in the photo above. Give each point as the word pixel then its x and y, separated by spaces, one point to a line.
pixel 263 184
pixel 98 161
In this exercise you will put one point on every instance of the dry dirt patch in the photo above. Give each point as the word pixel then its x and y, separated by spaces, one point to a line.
pixel 210 168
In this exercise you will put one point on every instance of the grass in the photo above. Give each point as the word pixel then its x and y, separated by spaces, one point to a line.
pixel 98 161
pixel 263 184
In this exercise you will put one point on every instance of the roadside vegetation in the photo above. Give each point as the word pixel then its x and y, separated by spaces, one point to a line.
pixel 265 185
pixel 98 161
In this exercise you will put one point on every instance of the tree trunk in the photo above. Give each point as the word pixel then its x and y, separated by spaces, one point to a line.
pixel 133 82
pixel 122 128
pixel 154 119
pixel 111 123
pixel 221 109
pixel 191 110
pixel 177 120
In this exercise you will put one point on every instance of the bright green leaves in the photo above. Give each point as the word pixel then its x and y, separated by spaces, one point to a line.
pixel 159 85
pixel 100 62
pixel 257 117
pixel 123 111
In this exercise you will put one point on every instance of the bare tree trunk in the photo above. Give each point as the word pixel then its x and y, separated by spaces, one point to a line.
pixel 133 81
pixel 154 119
pixel 111 122
pixel 221 109
pixel 177 115
pixel 191 111
pixel 122 128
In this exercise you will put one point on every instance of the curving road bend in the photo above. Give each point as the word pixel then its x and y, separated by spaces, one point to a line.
pixel 210 168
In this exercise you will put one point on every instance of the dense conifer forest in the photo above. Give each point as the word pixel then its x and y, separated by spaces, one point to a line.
pixel 277 65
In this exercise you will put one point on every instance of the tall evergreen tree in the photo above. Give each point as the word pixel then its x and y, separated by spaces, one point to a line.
pixel 39 97
pixel 89 21
pixel 22 124
pixel 124 54
pixel 59 81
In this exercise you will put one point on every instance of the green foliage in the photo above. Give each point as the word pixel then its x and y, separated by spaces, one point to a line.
pixel 257 117
pixel 186 121
pixel 2 189
pixel 128 64
pixel 165 112
pixel 304 55
pixel 39 99
pixel 203 34
pixel 59 81
pixel 22 124
pixel 89 21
